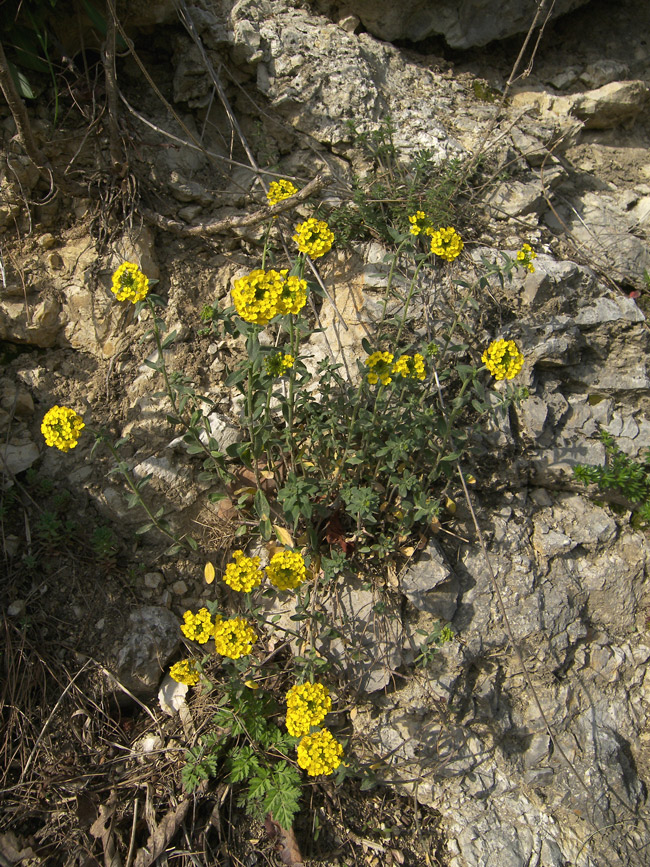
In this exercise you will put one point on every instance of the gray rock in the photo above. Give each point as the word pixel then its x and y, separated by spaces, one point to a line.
pixel 603 72
pixel 431 585
pixel 356 79
pixel 533 413
pixel 168 478
pixel 151 636
pixel 516 199
pixel 476 22
pixel 367 645
pixel 15 458
pixel 609 310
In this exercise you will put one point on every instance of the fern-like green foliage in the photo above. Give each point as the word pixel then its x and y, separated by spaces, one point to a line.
pixel 623 474
pixel 201 762
pixel 248 748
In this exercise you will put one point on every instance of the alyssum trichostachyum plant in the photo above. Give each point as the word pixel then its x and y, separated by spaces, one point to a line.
pixel 358 462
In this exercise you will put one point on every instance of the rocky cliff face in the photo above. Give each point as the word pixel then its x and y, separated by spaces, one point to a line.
pixel 463 25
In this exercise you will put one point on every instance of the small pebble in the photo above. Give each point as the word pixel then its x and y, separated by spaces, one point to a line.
pixel 153 580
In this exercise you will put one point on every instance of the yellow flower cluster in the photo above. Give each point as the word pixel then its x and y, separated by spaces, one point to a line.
pixel 380 367
pixel 287 570
pixel 62 428
pixel 319 753
pixel 278 364
pixel 419 223
pixel 261 295
pixel 307 705
pixel 503 359
pixel 129 283
pixel 234 638
pixel 279 190
pixel 185 672
pixel 314 237
pixel 525 258
pixel 446 243
pixel 244 573
pixel 410 367
pixel 198 627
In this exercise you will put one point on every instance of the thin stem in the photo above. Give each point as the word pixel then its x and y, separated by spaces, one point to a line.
pixel 132 486
pixel 390 281
pixel 408 301
pixel 266 244
pixel 250 424
pixel 171 392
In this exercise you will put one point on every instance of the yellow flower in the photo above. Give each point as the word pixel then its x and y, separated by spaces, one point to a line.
pixel 62 428
pixel 503 359
pixel 319 753
pixel 279 190
pixel 287 570
pixel 129 283
pixel 314 237
pixel 261 295
pixel 307 705
pixel 410 367
pixel 198 627
pixel 380 367
pixel 419 223
pixel 234 638
pixel 278 364
pixel 525 258
pixel 185 672
pixel 445 243
pixel 244 573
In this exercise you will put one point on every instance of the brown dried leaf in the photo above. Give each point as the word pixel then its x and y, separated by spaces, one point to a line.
pixel 286 844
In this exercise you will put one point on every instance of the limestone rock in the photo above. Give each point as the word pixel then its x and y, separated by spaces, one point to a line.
pixel 603 225
pixel 15 457
pixel 357 80
pixel 151 636
pixel 431 585
pixel 463 25
pixel 367 646
pixel 611 105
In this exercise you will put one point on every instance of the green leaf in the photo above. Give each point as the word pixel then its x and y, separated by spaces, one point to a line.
pixel 171 337
pixel 243 763
pixel 282 797
pixel 262 505
pixel 21 82
pixel 258 786
pixel 235 378
pixel 144 529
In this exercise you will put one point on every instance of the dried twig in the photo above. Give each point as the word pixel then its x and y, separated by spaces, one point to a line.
pixel 217 227
pixel 49 720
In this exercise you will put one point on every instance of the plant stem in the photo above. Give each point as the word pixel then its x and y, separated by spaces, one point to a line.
pixel 132 486
pixel 171 392
pixel 408 301
pixel 250 424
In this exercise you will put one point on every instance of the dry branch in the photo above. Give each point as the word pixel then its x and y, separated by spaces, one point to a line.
pixel 217 227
